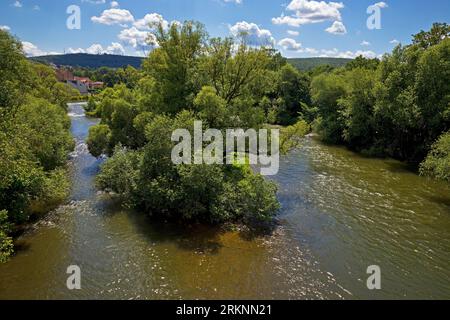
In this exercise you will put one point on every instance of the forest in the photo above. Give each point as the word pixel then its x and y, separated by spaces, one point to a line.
pixel 397 106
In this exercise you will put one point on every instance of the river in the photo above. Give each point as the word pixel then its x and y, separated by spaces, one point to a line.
pixel 340 213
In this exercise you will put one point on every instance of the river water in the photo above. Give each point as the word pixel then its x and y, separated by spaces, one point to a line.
pixel 340 214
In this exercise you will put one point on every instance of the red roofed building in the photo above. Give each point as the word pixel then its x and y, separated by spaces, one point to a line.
pixel 64 75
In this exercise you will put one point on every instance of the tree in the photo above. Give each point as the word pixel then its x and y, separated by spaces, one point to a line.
pixel 326 90
pixel 99 140
pixel 432 86
pixel 122 124
pixel 47 131
pixel 15 79
pixel 438 33
pixel 396 107
pixel 232 70
pixel 173 63
pixel 185 79
pixel 358 108
pixel 211 108
pixel 294 90
pixel 363 63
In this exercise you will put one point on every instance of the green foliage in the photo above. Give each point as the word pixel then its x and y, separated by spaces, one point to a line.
pixel 211 108
pixel 357 105
pixel 190 78
pixel 363 63
pixel 396 107
pixel 294 90
pixel 34 139
pixel 46 86
pixel 326 89
pixel 91 106
pixel 120 173
pixel 307 64
pixel 291 137
pixel 47 132
pixel 437 163
pixel 99 140
pixel 110 77
pixel 174 62
pixel 15 75
pixel 6 243
pixel 426 39
pixel 213 193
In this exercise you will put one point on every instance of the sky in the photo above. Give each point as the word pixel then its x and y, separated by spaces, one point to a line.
pixel 297 28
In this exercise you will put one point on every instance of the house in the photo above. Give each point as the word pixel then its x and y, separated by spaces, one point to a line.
pixel 97 85
pixel 83 84
pixel 91 85
pixel 80 86
pixel 64 75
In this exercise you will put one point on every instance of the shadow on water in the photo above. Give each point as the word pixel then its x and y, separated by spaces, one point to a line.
pixel 444 200
pixel 21 247
pixel 401 167
pixel 197 237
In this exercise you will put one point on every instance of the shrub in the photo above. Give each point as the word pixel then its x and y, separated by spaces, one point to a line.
pixel 437 163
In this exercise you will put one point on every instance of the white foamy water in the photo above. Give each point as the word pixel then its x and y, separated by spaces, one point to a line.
pixel 81 148
pixel 75 115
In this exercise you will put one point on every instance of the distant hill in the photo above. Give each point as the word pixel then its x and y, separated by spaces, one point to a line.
pixel 113 61
pixel 91 60
pixel 306 64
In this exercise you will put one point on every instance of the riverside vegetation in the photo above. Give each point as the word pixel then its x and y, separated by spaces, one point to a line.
pixel 34 139
pixel 189 77
pixel 397 107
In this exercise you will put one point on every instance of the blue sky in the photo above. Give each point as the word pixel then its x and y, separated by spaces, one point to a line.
pixel 298 28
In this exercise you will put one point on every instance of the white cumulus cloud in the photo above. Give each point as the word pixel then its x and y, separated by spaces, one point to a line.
pixel 137 39
pixel 335 53
pixel 337 28
pixel 307 12
pixel 252 33
pixel 290 44
pixel 150 20
pixel 114 48
pixel 293 33
pixel 31 50
pixel 114 16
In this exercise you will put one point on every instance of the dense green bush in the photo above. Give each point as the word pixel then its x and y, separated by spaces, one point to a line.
pixel 396 107
pixel 99 140
pixel 6 243
pixel 437 163
pixel 190 78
